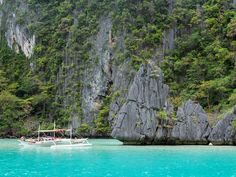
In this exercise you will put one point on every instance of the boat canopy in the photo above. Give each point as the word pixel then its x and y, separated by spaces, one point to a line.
pixel 52 131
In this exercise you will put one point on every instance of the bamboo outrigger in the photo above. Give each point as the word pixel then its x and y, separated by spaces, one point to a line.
pixel 53 141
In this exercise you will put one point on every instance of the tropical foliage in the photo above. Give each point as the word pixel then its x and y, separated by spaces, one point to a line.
pixel 201 66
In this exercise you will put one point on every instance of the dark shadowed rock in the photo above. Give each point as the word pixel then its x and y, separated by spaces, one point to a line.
pixel 192 126
pixel 224 132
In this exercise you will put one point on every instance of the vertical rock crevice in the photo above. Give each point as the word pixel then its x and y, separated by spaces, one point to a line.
pixel 97 76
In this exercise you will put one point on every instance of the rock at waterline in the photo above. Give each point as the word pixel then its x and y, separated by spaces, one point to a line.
pixel 192 126
pixel 137 121
pixel 224 133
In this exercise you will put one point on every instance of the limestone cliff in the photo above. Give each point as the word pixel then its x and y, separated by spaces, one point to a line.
pixel 17 34
pixel 97 77
pixel 137 121
pixel 147 116
pixel 224 131
pixel 192 125
pixel 99 65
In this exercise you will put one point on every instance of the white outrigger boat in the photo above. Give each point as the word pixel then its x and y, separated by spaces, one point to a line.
pixel 71 143
pixel 53 141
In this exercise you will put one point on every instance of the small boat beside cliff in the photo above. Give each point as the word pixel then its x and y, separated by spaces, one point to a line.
pixel 53 141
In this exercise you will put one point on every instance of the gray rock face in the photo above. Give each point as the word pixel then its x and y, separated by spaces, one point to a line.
pixel 90 82
pixel 192 125
pixel 97 77
pixel 169 34
pixel 122 77
pixel 137 120
pixel 224 132
pixel 17 36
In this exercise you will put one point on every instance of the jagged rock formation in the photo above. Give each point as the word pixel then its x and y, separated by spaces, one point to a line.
pixel 224 132
pixel 136 124
pixel 122 77
pixel 192 126
pixel 137 121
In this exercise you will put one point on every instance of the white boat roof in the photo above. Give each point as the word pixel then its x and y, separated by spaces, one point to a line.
pixel 55 130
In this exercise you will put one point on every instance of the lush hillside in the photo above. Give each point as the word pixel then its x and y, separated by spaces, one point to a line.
pixel 202 66
pixel 87 53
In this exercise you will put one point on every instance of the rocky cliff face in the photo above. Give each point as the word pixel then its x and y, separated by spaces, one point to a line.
pixel 138 110
pixel 192 126
pixel 137 121
pixel 224 131
pixel 100 76
pixel 147 116
pixel 86 86
pixel 17 34
pixel 97 77
pixel 20 37
pixel 169 34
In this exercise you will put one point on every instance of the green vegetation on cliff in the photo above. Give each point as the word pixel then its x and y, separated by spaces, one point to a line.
pixel 201 66
pixel 18 92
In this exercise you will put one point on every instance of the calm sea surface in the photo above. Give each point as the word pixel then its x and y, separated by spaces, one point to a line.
pixel 107 158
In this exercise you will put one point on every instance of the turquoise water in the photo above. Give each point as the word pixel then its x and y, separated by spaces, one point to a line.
pixel 108 158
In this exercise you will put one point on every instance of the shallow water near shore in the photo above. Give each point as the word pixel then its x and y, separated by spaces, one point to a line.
pixel 108 158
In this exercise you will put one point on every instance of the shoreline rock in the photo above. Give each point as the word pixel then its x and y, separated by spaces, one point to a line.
pixel 224 133
pixel 137 120
pixel 192 124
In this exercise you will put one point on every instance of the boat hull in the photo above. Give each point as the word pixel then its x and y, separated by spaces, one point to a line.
pixel 36 144
pixel 69 146
pixel 56 143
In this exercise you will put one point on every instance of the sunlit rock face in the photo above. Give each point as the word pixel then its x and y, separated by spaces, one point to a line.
pixel 18 39
pixel 15 24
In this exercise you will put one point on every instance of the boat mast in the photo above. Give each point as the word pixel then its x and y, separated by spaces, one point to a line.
pixel 38 132
pixel 54 129
pixel 70 131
